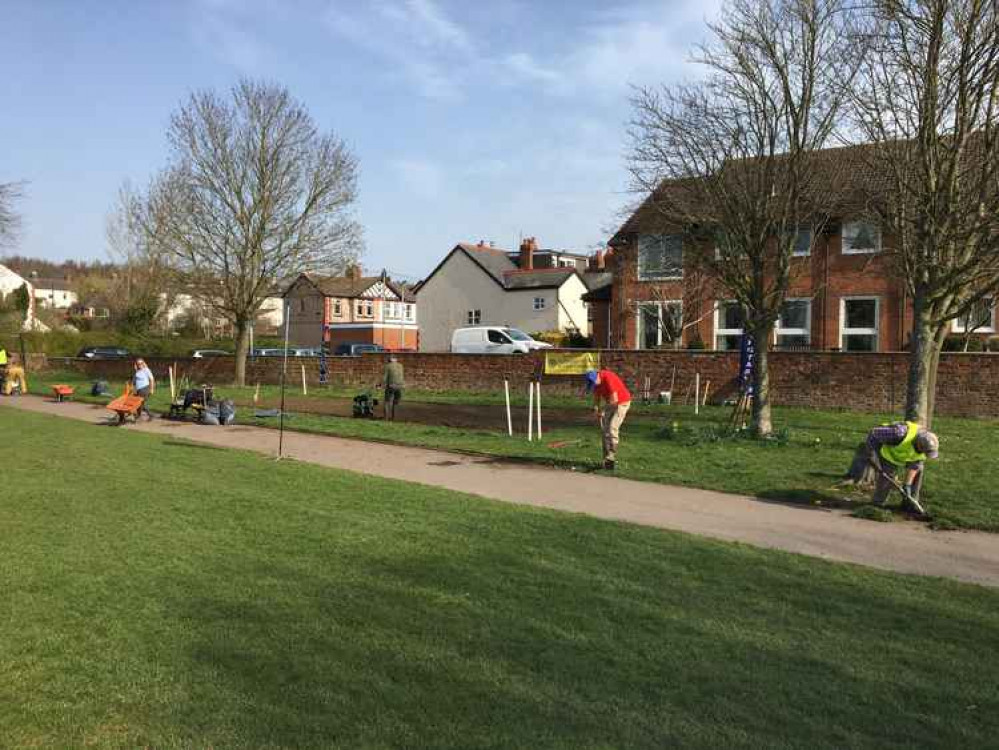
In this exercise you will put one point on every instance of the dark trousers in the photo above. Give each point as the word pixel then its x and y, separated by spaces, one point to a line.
pixel 393 396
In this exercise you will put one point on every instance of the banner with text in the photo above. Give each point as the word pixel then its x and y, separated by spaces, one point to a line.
pixel 563 363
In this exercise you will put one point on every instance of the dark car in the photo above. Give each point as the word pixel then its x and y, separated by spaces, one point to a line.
pixel 104 352
pixel 355 350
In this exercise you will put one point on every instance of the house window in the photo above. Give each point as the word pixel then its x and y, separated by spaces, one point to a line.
pixel 730 319
pixel 409 312
pixel 859 324
pixel 660 256
pixel 301 304
pixel 802 246
pixel 474 317
pixel 539 303
pixel 369 309
pixel 794 324
pixel 359 308
pixel 660 324
pixel 979 319
pixel 861 237
pixel 337 309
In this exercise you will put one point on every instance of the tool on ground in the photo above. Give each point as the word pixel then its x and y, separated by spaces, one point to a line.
pixel 364 406
pixel 563 443
pixel 909 500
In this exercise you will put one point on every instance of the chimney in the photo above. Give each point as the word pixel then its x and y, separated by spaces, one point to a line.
pixel 596 261
pixel 354 272
pixel 527 247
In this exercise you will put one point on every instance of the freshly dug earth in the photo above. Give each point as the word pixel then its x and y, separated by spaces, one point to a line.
pixel 476 416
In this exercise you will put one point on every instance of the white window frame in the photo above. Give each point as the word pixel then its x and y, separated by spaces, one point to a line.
pixel 410 310
pixel 843 233
pixel 644 275
pixel 337 308
pixel 659 304
pixel 958 327
pixel 806 331
pixel 540 303
pixel 844 331
pixel 474 317
pixel 718 332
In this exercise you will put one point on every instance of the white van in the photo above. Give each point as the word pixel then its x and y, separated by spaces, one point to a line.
pixel 493 340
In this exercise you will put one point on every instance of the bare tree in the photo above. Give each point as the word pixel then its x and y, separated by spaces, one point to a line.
pixel 254 194
pixel 10 219
pixel 142 287
pixel 729 160
pixel 927 98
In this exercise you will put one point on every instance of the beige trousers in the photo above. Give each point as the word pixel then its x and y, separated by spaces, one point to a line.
pixel 610 424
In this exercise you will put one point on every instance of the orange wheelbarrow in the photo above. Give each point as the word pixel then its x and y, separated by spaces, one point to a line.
pixel 126 405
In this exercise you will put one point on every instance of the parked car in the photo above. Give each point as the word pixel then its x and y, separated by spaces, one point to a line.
pixel 493 340
pixel 267 352
pixel 355 350
pixel 206 353
pixel 104 352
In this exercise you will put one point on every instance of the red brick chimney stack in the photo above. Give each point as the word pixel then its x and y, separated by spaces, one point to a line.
pixel 528 246
pixel 354 272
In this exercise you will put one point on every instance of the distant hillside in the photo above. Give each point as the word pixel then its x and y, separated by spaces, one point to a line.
pixel 47 269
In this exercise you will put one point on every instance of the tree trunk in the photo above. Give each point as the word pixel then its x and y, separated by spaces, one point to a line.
pixel 762 424
pixel 242 331
pixel 921 357
pixel 938 342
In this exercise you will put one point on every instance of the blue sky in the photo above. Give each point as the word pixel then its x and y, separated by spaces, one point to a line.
pixel 486 120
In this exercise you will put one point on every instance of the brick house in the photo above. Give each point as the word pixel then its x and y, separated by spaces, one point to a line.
pixel 844 295
pixel 352 309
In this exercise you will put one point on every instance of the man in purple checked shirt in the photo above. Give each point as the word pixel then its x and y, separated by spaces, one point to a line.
pixel 900 446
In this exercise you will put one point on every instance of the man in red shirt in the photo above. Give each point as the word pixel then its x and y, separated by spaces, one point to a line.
pixel 609 390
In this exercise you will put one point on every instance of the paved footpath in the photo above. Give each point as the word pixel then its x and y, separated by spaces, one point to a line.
pixel 834 535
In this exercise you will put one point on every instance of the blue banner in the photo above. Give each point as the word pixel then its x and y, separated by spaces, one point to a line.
pixel 747 358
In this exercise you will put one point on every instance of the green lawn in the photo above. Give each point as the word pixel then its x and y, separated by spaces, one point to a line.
pixel 163 594
pixel 803 468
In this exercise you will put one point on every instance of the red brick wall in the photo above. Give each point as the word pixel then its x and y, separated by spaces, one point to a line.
pixel 828 380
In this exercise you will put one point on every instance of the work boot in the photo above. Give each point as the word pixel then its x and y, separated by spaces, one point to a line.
pixel 610 464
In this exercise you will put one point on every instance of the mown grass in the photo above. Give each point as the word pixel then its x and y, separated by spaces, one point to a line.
pixel 165 594
pixel 804 467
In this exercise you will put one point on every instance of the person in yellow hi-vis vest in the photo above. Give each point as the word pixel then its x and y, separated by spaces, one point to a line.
pixel 901 446
pixel 3 357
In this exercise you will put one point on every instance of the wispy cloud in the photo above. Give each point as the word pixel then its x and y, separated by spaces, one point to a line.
pixel 229 30
pixel 416 37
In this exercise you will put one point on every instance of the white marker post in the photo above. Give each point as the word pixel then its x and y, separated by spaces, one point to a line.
pixel 305 388
pixel 538 407
pixel 509 417
pixel 697 393
pixel 530 412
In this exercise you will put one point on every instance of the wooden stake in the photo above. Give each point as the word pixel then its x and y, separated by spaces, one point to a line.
pixel 305 388
pixel 509 417
pixel 697 393
pixel 707 387
pixel 538 407
pixel 256 395
pixel 530 411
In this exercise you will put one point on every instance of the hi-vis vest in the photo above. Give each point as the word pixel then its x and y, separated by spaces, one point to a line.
pixel 905 452
pixel 3 356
